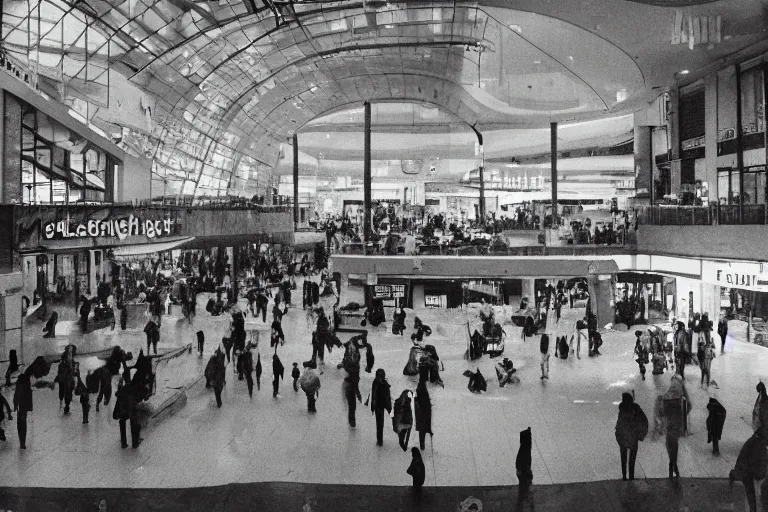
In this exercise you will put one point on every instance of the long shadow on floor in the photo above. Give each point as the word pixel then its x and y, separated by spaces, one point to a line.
pixel 657 495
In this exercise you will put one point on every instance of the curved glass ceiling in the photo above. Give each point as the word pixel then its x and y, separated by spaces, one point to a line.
pixel 229 85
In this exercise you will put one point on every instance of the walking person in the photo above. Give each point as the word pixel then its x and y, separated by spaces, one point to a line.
pixel 310 384
pixel 85 398
pixel 152 331
pixel 544 349
pixel 674 411
pixel 760 412
pixel 277 373
pixel 423 410
pixel 402 419
pixel 715 422
pixel 22 404
pixel 523 463
pixel 246 365
pixel 631 427
pixel 722 331
pixel 681 348
pixel 351 390
pixel 581 327
pixel 216 375
pixel 66 379
pixel 200 343
pixel 228 342
pixel 751 469
pixel 380 401
pixel 369 358
pixel 258 371
pixel 417 472
pixel 705 362
pixel 123 411
pixel 295 373
pixel 5 413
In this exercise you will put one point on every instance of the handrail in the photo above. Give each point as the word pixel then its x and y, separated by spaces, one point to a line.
pixel 713 215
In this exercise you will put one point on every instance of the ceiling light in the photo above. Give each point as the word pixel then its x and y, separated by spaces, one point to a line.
pixel 621 95
pixel 537 62
pixel 684 72
pixel 516 28
pixel 313 88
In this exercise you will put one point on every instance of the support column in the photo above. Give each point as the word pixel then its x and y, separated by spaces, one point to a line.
pixel 367 174
pixel 710 136
pixel 739 144
pixel 674 142
pixel 481 202
pixel 295 181
pixel 553 155
pixel 643 159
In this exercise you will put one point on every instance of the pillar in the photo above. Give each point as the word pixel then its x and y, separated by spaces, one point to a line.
pixel 643 149
pixel 710 135
pixel 739 144
pixel 674 142
pixel 529 290
pixel 295 181
pixel 601 294
pixel 553 156
pixel 367 174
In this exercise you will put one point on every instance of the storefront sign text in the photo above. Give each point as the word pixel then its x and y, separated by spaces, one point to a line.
pixel 389 291
pixel 746 276
pixel 120 228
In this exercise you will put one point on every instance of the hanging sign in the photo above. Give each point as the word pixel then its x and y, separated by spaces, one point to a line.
pixel 743 275
pixel 389 291
pixel 118 228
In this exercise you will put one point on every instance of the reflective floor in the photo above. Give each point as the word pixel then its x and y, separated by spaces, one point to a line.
pixel 266 439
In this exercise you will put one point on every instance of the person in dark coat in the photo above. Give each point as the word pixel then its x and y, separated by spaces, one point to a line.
pixel 66 380
pixel 22 404
pixel 226 341
pixel 751 469
pixel 5 413
pixel 246 365
pixel 50 326
pixel 544 349
pixel 85 310
pixel 153 335
pixel 722 331
pixel 310 384
pixel 258 371
pixel 261 305
pixel 85 397
pixel 380 401
pixel 423 410
pixel 398 322
pixel 318 349
pixel 13 366
pixel 295 374
pixel 306 294
pixel 715 422
pixel 369 358
pixel 104 378
pixel 200 343
pixel 277 373
pixel 276 335
pixel 628 433
pixel 123 316
pixel 351 390
pixel 124 405
pixel 417 471
pixel 523 463
pixel 402 419
pixel 215 374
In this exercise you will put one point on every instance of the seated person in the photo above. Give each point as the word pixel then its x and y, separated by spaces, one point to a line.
pixel 477 382
pixel 505 371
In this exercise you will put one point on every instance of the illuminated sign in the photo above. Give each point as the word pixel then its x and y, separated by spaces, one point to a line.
pixel 119 228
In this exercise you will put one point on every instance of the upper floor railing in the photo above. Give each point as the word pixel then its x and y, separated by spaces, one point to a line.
pixel 702 215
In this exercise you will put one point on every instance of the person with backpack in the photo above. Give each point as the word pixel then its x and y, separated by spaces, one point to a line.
pixel 715 422
pixel 402 419
pixel 631 427
pixel 674 405
pixel 310 384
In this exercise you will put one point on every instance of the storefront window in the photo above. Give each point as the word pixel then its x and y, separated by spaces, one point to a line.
pixel 53 174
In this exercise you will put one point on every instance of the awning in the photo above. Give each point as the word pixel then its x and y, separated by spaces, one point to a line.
pixel 141 249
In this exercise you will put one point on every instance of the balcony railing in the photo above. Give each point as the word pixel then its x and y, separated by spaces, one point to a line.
pixel 702 215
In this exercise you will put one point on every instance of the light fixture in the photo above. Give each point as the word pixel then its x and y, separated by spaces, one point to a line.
pixel 684 72
pixel 621 95
pixel 537 62
pixel 516 28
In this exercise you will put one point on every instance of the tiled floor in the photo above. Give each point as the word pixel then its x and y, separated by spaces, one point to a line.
pixel 572 416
